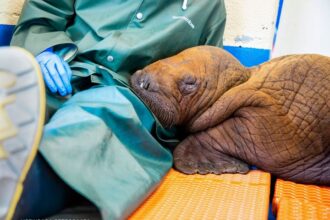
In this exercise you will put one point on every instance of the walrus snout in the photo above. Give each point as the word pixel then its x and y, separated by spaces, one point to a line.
pixel 144 82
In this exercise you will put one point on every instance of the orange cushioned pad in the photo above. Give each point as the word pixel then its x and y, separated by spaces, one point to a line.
pixel 293 209
pixel 299 201
pixel 227 196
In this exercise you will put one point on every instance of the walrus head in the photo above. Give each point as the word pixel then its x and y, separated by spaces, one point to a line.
pixel 180 88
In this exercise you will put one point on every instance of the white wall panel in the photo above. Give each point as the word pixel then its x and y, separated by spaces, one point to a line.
pixel 250 23
pixel 10 11
pixel 304 28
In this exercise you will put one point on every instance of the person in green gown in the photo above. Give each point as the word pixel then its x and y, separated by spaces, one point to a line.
pixel 102 140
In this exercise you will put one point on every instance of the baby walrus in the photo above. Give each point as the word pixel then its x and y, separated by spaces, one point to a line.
pixel 275 116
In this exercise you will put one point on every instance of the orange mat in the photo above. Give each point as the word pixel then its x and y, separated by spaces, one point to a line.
pixel 300 201
pixel 210 196
pixel 293 209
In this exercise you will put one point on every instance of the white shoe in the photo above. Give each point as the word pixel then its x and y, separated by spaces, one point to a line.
pixel 22 113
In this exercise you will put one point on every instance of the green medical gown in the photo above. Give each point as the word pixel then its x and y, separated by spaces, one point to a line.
pixel 102 141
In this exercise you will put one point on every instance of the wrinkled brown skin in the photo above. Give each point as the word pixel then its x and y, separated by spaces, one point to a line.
pixel 275 116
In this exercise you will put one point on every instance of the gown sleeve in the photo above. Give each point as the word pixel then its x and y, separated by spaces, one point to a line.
pixel 42 25
pixel 213 34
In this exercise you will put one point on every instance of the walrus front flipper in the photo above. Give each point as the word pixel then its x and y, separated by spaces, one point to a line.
pixel 195 154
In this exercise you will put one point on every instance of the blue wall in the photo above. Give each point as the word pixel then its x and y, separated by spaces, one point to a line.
pixel 6 31
pixel 249 56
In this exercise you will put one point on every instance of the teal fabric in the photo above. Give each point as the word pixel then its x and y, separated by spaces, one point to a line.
pixel 102 140
pixel 103 147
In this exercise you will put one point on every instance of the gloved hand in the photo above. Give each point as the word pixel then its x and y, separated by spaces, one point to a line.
pixel 56 72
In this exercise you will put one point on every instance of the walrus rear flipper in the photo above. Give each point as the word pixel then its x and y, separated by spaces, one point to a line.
pixel 196 154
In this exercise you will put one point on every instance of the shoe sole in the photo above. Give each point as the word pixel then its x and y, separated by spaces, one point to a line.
pixel 22 115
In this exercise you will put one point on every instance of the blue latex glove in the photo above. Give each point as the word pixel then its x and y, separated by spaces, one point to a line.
pixel 56 72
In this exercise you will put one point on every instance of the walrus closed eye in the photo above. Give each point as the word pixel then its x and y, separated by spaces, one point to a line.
pixel 275 116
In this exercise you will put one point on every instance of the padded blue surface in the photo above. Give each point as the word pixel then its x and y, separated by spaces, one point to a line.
pixel 6 32
pixel 249 56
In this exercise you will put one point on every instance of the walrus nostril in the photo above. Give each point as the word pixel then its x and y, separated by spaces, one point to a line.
pixel 144 82
pixel 144 85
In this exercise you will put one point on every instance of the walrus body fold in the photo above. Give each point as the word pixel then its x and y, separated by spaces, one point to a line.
pixel 275 116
